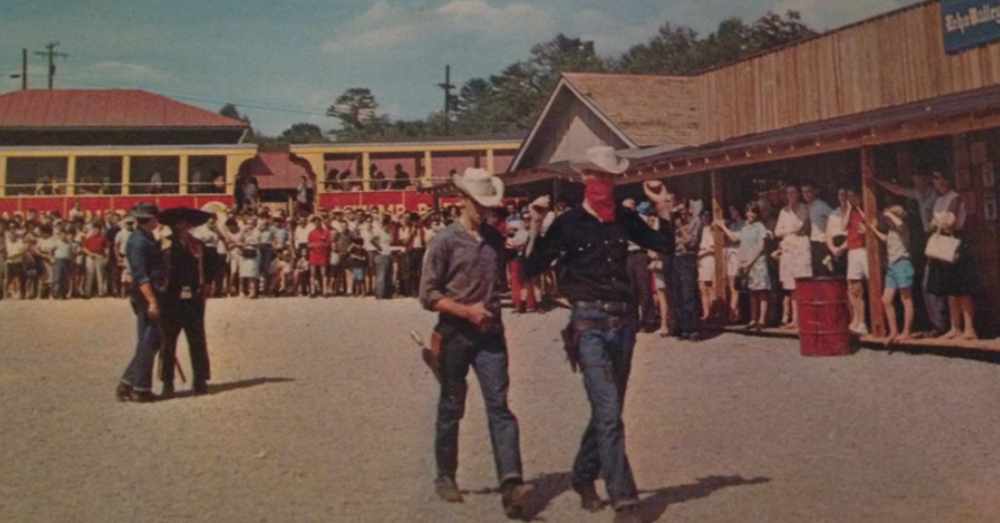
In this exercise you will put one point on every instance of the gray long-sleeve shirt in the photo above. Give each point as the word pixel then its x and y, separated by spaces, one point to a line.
pixel 463 268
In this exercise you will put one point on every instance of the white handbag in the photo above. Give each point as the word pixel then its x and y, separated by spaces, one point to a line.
pixel 942 248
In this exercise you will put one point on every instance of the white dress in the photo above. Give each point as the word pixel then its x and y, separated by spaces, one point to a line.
pixel 706 263
pixel 796 260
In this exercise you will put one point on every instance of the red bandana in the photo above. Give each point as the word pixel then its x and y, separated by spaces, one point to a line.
pixel 600 194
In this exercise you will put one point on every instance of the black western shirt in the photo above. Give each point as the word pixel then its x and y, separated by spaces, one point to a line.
pixel 591 254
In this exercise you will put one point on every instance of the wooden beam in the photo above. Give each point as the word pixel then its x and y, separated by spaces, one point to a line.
pixel 3 182
pixel 915 131
pixel 183 175
pixel 872 243
pixel 126 175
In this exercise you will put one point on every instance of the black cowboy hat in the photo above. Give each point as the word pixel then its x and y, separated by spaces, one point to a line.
pixel 176 215
pixel 145 210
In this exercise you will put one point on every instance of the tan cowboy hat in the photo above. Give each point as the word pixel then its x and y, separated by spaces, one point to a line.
pixel 602 159
pixel 481 186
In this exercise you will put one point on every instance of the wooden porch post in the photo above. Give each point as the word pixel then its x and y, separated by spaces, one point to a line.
pixel 721 285
pixel 428 168
pixel 126 174
pixel 3 176
pixel 872 243
pixel 71 176
pixel 183 175
pixel 366 171
pixel 490 164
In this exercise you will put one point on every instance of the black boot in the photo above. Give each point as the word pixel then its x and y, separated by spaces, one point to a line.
pixel 516 498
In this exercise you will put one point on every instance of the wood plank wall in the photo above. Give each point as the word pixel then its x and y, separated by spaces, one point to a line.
pixel 880 63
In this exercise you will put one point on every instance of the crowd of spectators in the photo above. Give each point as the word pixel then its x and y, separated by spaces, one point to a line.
pixel 364 251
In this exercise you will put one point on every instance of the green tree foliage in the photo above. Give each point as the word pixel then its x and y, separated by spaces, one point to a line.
pixel 509 102
pixel 357 111
pixel 304 133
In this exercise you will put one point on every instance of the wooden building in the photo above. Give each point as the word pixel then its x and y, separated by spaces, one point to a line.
pixel 875 99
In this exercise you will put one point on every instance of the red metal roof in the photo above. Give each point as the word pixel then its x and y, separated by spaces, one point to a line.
pixel 102 108
pixel 279 170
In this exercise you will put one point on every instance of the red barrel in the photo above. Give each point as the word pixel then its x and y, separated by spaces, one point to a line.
pixel 824 316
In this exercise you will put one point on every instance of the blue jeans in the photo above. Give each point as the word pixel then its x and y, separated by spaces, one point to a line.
pixel 606 361
pixel 463 346
pixel 139 373
pixel 383 273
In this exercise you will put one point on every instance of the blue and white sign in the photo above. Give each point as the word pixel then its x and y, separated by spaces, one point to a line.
pixel 969 23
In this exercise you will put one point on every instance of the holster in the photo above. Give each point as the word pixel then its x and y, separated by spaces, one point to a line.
pixel 571 335
pixel 432 354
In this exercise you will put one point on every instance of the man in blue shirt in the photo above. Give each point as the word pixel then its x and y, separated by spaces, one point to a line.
pixel 149 278
pixel 819 214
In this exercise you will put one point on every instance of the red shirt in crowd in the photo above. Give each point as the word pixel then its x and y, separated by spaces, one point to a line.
pixel 96 244
pixel 855 238
pixel 319 246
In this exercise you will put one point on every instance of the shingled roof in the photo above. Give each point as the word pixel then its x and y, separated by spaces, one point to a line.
pixel 650 110
pixel 103 109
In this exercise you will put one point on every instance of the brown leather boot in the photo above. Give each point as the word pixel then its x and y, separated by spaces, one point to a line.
pixel 589 500
pixel 517 498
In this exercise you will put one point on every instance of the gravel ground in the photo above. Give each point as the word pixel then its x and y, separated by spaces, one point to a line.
pixel 321 411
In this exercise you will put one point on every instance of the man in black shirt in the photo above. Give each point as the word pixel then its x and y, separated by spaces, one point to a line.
pixel 183 301
pixel 590 243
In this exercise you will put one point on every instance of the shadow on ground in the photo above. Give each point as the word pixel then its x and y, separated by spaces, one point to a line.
pixel 654 506
pixel 219 388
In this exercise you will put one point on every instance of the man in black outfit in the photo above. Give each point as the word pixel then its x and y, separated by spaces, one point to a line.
pixel 183 301
pixel 590 243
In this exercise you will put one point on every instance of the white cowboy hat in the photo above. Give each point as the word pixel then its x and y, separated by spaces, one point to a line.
pixel 481 186
pixel 602 159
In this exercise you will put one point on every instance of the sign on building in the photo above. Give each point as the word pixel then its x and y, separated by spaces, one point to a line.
pixel 969 23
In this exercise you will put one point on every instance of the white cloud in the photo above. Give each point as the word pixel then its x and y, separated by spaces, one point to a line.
pixel 384 26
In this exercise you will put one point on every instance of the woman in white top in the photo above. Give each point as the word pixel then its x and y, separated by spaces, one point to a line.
pixel 955 280
pixel 249 244
pixel 706 265
pixel 795 261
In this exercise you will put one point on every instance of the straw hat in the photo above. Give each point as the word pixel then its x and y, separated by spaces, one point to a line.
pixel 481 186
pixel 602 159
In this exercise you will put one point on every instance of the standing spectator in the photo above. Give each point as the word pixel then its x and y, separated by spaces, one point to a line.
pixel 155 183
pixel 706 267
pixel 214 258
pixel 793 232
pixel 522 292
pixel 282 237
pixel 638 269
pixel 114 275
pixel 899 274
pixel 62 264
pixel 75 214
pixel 753 268
pixel 925 194
pixel 819 214
pixel 733 261
pixel 359 263
pixel 836 235
pixel 367 233
pixel 379 182
pixel 956 280
pixel 303 196
pixel 302 273
pixel 383 260
pixel 249 245
pixel 857 261
pixel 16 249
pixel 3 258
pixel 683 284
pixel 332 180
pixel 265 253
pixel 121 240
pixel 319 254
pixel 95 249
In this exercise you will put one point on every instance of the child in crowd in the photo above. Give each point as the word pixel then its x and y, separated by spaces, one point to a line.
pixel 302 272
pixel 892 230
pixel 359 263
pixel 706 267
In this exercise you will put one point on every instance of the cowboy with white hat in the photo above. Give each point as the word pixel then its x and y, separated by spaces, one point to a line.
pixel 590 243
pixel 462 266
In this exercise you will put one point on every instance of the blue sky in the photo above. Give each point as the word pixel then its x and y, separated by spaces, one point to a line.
pixel 283 62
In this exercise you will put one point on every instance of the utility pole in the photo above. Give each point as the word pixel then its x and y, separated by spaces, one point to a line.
pixel 24 70
pixel 52 54
pixel 448 100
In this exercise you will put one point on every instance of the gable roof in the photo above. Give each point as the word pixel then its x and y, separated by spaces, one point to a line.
pixel 279 170
pixel 66 109
pixel 642 110
pixel 648 109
